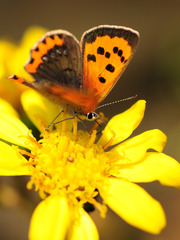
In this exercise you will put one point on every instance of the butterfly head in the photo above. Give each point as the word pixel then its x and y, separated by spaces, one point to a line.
pixel 91 116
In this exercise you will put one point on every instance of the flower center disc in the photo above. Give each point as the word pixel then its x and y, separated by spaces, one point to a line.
pixel 70 165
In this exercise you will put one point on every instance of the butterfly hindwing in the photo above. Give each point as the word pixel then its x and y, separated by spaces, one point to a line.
pixel 55 58
pixel 72 98
pixel 106 52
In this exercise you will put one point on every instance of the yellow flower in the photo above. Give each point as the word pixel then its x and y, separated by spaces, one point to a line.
pixel 12 58
pixel 70 167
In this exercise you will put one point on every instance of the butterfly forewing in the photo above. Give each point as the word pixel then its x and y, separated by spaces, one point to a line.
pixel 55 59
pixel 106 52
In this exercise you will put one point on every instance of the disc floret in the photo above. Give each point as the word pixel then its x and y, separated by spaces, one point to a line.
pixel 70 166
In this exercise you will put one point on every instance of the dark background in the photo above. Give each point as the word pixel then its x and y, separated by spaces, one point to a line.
pixel 153 74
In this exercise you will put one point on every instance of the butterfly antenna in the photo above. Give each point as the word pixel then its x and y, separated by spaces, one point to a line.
pixel 117 101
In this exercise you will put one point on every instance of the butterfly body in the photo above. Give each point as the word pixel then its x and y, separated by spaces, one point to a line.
pixel 79 75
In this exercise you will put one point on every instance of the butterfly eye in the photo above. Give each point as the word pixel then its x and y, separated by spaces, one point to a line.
pixel 91 116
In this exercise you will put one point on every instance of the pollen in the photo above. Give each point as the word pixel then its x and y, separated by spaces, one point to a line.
pixel 69 165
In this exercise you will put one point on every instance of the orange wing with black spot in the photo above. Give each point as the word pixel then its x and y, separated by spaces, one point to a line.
pixel 106 52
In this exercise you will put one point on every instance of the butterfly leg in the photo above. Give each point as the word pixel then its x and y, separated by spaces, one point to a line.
pixel 99 126
pixel 96 125
pixel 54 120
pixel 62 119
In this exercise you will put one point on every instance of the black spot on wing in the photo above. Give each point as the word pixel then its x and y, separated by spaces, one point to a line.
pixel 102 80
pixel 44 41
pixel 115 49
pixel 110 68
pixel 107 55
pixel 122 59
pixel 52 36
pixel 91 57
pixel 31 61
pixel 120 52
pixel 14 77
pixel 100 50
pixel 60 36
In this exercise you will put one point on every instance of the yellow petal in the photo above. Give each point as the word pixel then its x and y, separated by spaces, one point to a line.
pixel 135 148
pixel 155 166
pixel 6 51
pixel 14 131
pixel 12 163
pixel 50 219
pixel 134 205
pixel 122 125
pixel 83 228
pixel 6 108
pixel 40 110
pixel 8 90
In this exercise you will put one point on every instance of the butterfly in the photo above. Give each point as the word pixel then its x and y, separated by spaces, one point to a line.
pixel 80 75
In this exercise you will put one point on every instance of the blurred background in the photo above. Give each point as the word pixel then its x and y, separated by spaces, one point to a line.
pixel 153 74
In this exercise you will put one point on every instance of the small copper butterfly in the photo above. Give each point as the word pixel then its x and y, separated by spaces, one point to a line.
pixel 80 75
